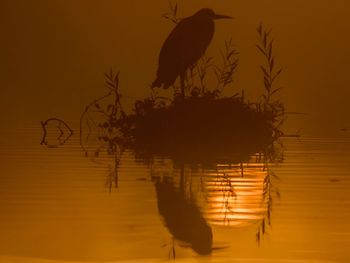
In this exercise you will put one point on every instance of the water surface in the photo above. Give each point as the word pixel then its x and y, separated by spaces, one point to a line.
pixel 58 205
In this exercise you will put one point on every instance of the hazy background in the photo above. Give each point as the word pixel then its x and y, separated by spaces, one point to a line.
pixel 53 54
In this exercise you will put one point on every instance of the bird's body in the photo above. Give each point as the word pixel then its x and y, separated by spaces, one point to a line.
pixel 185 45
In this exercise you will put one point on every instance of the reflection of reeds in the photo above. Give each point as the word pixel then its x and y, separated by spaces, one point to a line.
pixel 270 190
pixel 65 132
pixel 236 200
pixel 228 193
pixel 100 126
pixel 232 195
pixel 113 175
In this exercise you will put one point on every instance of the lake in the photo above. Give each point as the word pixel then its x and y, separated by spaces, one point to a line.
pixel 59 205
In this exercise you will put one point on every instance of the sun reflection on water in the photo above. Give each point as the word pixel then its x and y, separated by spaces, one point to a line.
pixel 235 194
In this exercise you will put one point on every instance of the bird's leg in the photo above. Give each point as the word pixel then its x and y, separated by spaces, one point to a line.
pixel 182 80
pixel 182 178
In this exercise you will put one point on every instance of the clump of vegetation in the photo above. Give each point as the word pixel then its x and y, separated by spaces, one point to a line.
pixel 205 122
pixel 103 116
pixel 198 122
pixel 201 124
pixel 198 125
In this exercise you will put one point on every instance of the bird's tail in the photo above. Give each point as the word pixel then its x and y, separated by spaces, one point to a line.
pixel 161 83
pixel 157 83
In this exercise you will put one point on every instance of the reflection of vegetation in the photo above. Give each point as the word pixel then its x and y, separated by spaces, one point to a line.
pixel 58 125
pixel 269 191
pixel 230 195
pixel 113 175
pixel 223 182
pixel 99 126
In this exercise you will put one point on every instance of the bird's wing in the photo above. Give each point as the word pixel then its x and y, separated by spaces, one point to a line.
pixel 184 46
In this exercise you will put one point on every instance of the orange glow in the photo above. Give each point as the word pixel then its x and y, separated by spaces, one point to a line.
pixel 236 200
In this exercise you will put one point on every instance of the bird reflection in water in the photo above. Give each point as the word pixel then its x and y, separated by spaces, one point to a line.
pixel 233 195
pixel 183 217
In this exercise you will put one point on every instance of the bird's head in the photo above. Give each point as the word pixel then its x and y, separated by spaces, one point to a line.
pixel 208 13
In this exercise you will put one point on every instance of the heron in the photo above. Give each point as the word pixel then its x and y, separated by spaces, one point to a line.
pixel 184 46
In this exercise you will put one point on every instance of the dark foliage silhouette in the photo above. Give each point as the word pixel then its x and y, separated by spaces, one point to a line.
pixel 103 116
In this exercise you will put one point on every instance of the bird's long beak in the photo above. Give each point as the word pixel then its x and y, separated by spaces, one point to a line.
pixel 216 16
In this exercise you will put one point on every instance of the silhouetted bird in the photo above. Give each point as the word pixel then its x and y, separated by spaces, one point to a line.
pixel 185 45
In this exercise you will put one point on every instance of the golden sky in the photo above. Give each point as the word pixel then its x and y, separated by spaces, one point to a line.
pixel 54 53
